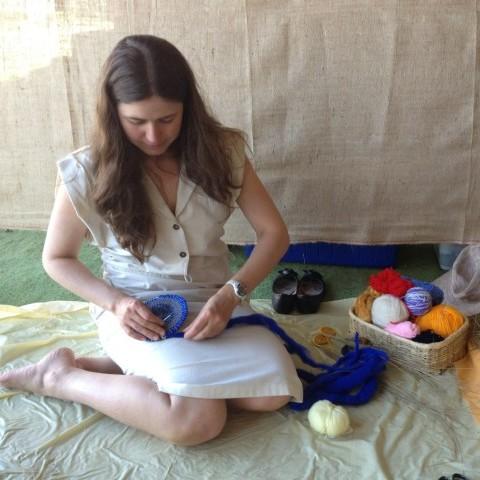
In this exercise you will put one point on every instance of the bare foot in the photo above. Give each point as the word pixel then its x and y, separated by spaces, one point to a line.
pixel 42 376
pixel 98 364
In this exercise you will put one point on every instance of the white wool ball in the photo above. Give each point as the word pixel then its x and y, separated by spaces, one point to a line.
pixel 329 419
pixel 388 309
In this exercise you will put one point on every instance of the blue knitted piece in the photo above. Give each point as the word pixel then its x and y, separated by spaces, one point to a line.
pixel 172 309
pixel 433 290
pixel 352 380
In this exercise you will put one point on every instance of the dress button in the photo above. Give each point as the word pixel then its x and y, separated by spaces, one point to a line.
pixel 176 226
pixel 183 254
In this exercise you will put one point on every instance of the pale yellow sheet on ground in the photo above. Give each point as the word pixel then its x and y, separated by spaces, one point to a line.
pixel 417 426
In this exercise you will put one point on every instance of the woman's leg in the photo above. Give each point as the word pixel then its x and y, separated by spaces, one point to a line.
pixel 255 404
pixel 98 364
pixel 259 404
pixel 131 400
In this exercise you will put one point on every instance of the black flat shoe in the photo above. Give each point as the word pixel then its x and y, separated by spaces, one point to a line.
pixel 284 290
pixel 310 292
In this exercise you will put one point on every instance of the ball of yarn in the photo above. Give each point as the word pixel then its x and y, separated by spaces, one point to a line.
pixel 435 291
pixel 404 329
pixel 388 309
pixel 391 282
pixel 329 419
pixel 418 301
pixel 428 337
pixel 363 304
pixel 441 319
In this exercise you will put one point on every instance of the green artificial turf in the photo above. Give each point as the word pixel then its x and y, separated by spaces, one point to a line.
pixel 23 281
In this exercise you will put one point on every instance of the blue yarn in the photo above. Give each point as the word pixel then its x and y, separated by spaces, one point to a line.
pixel 356 371
pixel 172 309
pixel 433 290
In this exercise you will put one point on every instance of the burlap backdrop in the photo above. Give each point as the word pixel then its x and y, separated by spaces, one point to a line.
pixel 362 115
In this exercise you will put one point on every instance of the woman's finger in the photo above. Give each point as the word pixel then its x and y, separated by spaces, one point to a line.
pixel 208 328
pixel 131 332
pixel 197 326
pixel 151 326
pixel 136 324
pixel 144 312
pixel 150 334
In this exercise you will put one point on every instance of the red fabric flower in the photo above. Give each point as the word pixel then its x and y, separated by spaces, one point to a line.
pixel 390 281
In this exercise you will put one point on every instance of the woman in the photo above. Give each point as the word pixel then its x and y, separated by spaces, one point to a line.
pixel 153 192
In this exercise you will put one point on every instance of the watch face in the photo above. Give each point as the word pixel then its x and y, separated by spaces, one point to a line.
pixel 239 289
pixel 241 292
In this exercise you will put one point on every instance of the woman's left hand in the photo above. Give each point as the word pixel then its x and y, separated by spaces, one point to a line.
pixel 214 316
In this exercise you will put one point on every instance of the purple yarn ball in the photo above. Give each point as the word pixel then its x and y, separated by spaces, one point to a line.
pixel 418 301
pixel 433 290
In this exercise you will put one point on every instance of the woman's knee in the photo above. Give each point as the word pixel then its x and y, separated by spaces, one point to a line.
pixel 199 422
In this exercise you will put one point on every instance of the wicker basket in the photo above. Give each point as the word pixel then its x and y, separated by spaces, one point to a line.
pixel 426 358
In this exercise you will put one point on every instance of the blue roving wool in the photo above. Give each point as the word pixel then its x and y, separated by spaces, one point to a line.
pixel 352 380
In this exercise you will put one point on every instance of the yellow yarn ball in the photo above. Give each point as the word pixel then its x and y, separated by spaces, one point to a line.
pixel 329 419
pixel 442 319
pixel 363 304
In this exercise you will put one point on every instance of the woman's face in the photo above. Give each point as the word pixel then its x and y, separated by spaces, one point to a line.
pixel 152 124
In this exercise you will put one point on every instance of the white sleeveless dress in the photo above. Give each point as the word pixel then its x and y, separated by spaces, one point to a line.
pixel 189 259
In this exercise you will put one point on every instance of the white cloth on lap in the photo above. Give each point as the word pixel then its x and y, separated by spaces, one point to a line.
pixel 244 361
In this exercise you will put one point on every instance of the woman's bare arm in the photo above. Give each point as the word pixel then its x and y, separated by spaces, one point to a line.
pixel 272 242
pixel 64 238
pixel 65 235
pixel 270 229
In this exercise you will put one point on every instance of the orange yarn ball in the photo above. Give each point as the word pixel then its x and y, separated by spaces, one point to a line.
pixel 442 319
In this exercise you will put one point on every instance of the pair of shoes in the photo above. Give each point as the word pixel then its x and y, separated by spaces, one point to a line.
pixel 290 293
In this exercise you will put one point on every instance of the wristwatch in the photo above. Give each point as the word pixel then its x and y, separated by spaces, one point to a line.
pixel 238 288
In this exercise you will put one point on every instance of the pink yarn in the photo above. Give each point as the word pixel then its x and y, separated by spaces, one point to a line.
pixel 404 329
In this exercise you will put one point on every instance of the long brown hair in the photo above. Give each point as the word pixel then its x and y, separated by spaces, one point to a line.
pixel 138 67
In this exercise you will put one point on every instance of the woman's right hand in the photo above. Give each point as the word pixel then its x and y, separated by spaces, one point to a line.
pixel 137 320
